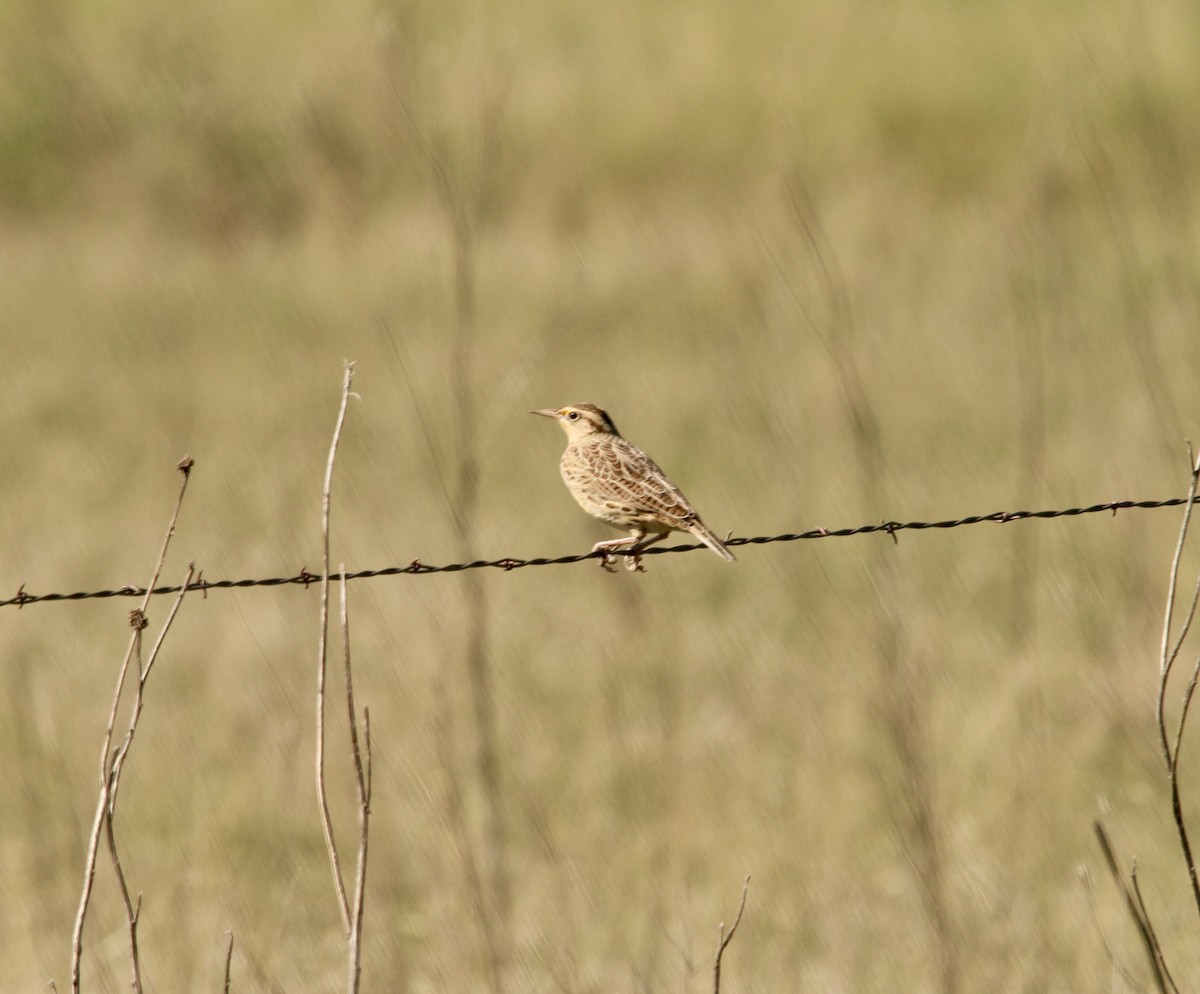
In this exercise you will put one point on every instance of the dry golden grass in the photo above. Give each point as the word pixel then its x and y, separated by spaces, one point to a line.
pixel 828 264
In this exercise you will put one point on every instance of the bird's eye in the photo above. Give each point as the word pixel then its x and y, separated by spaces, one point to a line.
pixel 572 415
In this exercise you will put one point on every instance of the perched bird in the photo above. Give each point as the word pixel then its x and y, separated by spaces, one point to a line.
pixel 615 481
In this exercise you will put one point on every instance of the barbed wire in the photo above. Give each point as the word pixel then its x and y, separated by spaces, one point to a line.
pixel 417 568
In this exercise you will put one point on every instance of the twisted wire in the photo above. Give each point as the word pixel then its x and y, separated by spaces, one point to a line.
pixel 418 568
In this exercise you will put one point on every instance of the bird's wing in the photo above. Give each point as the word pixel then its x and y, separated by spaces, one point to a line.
pixel 635 480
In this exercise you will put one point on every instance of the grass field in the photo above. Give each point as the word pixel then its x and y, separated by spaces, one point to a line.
pixel 829 264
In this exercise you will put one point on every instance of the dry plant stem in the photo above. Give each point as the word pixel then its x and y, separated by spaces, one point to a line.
pixel 1176 801
pixel 322 648
pixel 1170 648
pixel 362 777
pixel 724 938
pixel 1170 652
pixel 360 875
pixel 1141 903
pixel 133 908
pixel 1137 912
pixel 228 962
pixel 109 777
pixel 132 911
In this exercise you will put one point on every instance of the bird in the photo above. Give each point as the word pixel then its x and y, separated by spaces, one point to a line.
pixel 615 481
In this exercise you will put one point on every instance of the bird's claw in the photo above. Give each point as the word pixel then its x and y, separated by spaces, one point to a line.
pixel 633 562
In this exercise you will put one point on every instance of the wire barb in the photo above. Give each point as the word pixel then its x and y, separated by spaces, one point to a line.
pixel 508 564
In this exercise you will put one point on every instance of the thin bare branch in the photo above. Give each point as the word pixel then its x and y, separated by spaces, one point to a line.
pixel 110 777
pixel 360 876
pixel 1188 694
pixel 352 715
pixel 1145 931
pixel 132 911
pixel 1185 844
pixel 114 782
pixel 1141 903
pixel 724 938
pixel 362 774
pixel 118 761
pixel 228 960
pixel 1167 653
pixel 326 821
pixel 133 908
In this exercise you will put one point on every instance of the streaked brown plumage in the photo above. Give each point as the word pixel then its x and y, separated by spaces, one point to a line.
pixel 615 481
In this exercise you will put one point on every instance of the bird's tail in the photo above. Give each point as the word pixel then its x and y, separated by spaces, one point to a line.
pixel 701 532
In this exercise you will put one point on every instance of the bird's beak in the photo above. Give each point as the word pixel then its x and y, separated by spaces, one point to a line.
pixel 546 412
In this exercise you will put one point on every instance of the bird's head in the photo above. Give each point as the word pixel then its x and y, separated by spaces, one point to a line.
pixel 581 420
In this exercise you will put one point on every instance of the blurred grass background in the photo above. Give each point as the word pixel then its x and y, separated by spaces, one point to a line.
pixel 829 264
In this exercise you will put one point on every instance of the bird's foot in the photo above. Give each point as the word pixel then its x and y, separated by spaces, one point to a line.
pixel 606 562
pixel 633 563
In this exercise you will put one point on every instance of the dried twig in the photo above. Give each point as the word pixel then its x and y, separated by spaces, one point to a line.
pixel 1170 648
pixel 360 743
pixel 1176 801
pixel 1085 877
pixel 326 821
pixel 1170 745
pixel 1170 651
pixel 1136 911
pixel 362 777
pixel 111 763
pixel 228 960
pixel 1158 953
pixel 724 938
pixel 133 908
